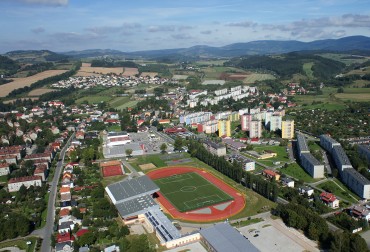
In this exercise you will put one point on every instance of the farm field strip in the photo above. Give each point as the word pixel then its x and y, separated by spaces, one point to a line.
pixel 24 82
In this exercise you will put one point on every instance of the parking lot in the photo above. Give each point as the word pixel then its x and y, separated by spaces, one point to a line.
pixel 273 235
pixel 141 143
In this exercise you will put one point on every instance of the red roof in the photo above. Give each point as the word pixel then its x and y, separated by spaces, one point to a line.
pixel 81 232
pixel 4 165
pixel 64 237
pixel 328 197
pixel 270 172
pixel 24 179
pixel 64 212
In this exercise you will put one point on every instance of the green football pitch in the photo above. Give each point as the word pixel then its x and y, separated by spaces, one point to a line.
pixel 189 191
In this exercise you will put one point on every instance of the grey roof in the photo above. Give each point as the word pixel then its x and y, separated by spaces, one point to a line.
pixel 239 158
pixel 233 144
pixel 224 238
pixel 135 206
pixel 328 139
pixel 83 249
pixel 302 144
pixel 341 155
pixel 364 148
pixel 357 176
pixel 129 189
pixel 213 144
pixel 310 158
pixel 163 226
pixel 117 133
pixel 60 246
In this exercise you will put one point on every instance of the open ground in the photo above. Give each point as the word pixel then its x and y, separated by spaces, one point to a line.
pixel 41 91
pixel 210 213
pixel 24 82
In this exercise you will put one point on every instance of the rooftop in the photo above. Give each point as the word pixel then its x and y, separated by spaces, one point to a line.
pixel 127 189
pixel 135 206
pixel 341 154
pixel 302 143
pixel 224 238
pixel 310 158
pixel 357 176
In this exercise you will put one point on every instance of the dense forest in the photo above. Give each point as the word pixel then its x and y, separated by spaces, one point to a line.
pixel 111 63
pixel 288 64
pixel 8 66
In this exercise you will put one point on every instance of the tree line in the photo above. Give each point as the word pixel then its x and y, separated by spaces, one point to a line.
pixel 234 171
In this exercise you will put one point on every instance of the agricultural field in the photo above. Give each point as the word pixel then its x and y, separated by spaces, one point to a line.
pixel 130 71
pixel 210 62
pixel 150 74
pixel 190 191
pixel 355 94
pixel 41 91
pixel 119 101
pixel 344 58
pixel 254 77
pixel 87 70
pixel 27 81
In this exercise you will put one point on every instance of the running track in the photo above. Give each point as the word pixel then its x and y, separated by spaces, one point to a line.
pixel 235 207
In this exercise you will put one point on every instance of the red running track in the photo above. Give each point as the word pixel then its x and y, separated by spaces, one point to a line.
pixel 235 207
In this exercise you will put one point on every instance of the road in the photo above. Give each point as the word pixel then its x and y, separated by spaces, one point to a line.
pixel 46 232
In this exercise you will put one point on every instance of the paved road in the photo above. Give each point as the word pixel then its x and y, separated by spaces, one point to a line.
pixel 46 232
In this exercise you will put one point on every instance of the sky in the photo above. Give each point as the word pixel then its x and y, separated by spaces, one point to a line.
pixel 136 25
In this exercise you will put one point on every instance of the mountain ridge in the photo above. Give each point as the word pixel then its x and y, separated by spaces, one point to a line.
pixel 258 47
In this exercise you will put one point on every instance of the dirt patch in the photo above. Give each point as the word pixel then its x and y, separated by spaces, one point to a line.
pixel 150 74
pixel 24 82
pixel 40 91
pixel 147 166
pixel 87 70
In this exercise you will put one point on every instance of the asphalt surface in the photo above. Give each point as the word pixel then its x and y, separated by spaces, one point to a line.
pixel 46 232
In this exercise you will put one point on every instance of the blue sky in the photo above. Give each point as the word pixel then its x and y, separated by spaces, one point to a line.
pixel 65 25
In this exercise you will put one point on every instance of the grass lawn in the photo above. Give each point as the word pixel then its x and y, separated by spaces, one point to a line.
pixel 190 191
pixel 253 77
pixel 341 191
pixel 297 172
pixel 119 101
pixel 21 244
pixel 3 179
pixel 355 97
pixel 93 99
pixel 282 155
pixel 154 159
pixel 116 128
pixel 127 105
pixel 110 180
pixel 246 222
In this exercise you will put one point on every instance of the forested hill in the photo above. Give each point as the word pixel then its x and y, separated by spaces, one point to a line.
pixel 8 66
pixel 286 65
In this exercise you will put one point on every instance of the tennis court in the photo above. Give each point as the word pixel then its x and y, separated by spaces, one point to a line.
pixel 189 191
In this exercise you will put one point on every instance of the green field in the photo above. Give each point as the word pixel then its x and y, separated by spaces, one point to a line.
pixel 340 190
pixel 129 104
pixel 254 77
pixel 307 68
pixel 93 99
pixel 297 172
pixel 190 191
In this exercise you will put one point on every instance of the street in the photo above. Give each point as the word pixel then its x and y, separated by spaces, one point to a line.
pixel 46 232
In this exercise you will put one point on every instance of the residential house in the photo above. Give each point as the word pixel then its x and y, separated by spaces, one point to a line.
pixel 41 170
pixel 288 182
pixel 360 212
pixel 306 190
pixel 270 174
pixel 65 227
pixel 329 199
pixel 64 247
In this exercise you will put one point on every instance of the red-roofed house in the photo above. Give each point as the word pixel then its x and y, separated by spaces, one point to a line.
pixel 41 171
pixel 329 199
pixel 64 237
pixel 270 174
pixel 64 212
pixel 15 183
